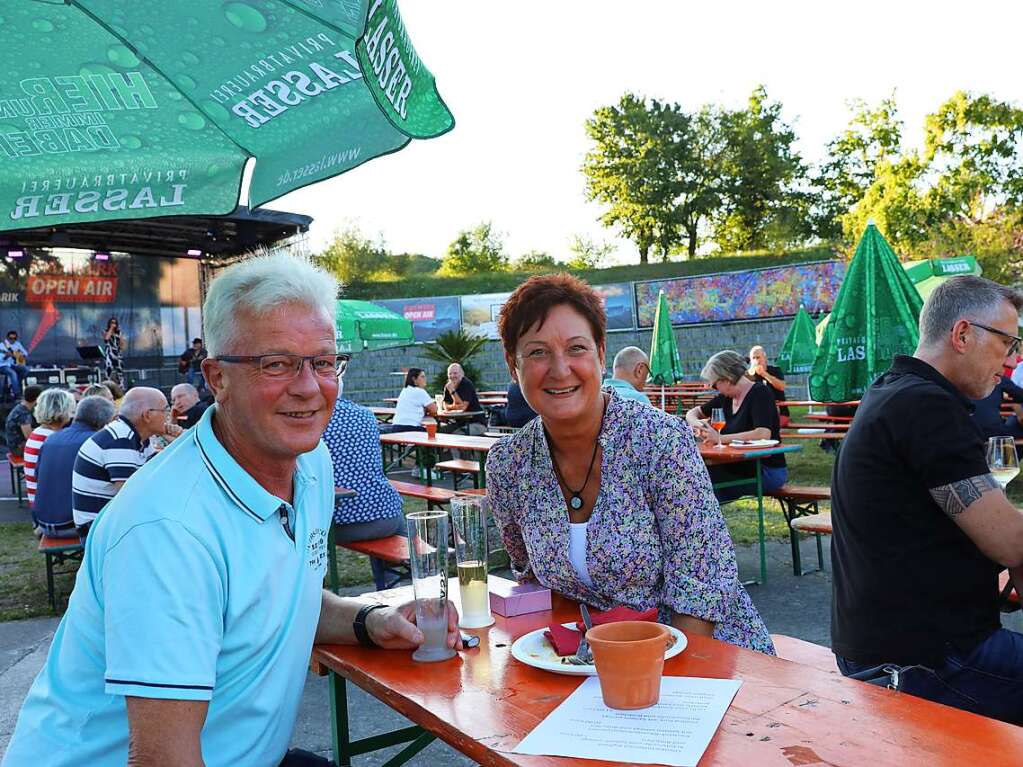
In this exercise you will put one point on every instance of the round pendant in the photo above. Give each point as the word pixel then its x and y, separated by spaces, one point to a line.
pixel 576 502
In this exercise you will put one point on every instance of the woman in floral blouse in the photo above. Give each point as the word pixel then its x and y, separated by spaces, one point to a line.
pixel 603 499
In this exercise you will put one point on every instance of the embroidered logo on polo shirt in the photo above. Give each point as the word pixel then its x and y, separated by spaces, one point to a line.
pixel 316 550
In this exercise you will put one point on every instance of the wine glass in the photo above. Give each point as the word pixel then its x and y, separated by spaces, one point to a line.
pixel 717 421
pixel 1002 459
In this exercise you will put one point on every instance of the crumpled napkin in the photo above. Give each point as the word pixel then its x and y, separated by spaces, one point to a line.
pixel 565 641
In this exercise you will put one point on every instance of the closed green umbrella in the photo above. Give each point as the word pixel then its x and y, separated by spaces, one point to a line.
pixel 800 348
pixel 364 326
pixel 875 317
pixel 665 363
pixel 122 110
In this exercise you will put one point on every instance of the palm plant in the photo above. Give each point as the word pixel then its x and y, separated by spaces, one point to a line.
pixel 455 346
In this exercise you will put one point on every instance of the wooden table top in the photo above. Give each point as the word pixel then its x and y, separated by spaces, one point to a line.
pixel 493 400
pixel 443 440
pixel 810 402
pixel 483 703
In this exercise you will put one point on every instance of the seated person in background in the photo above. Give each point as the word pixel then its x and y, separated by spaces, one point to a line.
pixel 186 407
pixel 19 423
pixel 190 364
pixel 987 412
pixel 629 372
pixel 460 397
pixel 108 458
pixel 13 362
pixel 116 391
pixel 750 413
pixel 921 527
pixel 604 499
pixel 54 410
pixel 353 440
pixel 517 412
pixel 414 404
pixel 98 390
pixel 770 375
pixel 52 509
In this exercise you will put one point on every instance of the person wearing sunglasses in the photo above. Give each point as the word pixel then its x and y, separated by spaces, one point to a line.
pixel 188 635
pixel 921 527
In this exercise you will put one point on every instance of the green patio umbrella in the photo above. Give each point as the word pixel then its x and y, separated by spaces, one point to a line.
pixel 800 347
pixel 121 110
pixel 927 275
pixel 364 326
pixel 665 363
pixel 874 318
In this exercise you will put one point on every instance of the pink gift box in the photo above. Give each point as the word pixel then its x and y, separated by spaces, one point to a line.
pixel 508 598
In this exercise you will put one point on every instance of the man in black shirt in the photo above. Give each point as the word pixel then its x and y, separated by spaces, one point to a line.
pixel 921 528
pixel 190 364
pixel 770 375
pixel 460 396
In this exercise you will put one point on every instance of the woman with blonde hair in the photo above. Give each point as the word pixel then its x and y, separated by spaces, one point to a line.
pixel 54 410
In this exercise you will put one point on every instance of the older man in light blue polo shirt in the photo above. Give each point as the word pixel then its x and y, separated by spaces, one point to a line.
pixel 629 373
pixel 188 634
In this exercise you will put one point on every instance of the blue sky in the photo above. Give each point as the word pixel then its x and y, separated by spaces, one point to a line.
pixel 521 78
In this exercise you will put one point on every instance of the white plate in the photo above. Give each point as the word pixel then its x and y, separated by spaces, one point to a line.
pixel 534 650
pixel 753 443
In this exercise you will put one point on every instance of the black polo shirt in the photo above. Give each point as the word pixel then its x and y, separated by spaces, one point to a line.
pixel 779 394
pixel 758 410
pixel 467 393
pixel 907 582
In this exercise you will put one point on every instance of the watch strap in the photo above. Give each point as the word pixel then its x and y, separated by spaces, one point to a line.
pixel 359 625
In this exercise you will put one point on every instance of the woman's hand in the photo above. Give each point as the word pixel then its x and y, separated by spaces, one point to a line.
pixel 394 628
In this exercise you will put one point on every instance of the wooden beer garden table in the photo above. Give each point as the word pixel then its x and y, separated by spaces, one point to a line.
pixel 425 445
pixel 483 703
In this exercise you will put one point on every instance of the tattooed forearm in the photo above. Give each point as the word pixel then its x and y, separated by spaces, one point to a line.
pixel 959 496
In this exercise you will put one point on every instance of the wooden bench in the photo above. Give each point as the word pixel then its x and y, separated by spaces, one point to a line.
pixel 458 467
pixel 435 497
pixel 392 550
pixel 798 502
pixel 17 467
pixel 59 551
pixel 805 653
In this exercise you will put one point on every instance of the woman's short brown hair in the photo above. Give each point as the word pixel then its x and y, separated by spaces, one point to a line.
pixel 533 299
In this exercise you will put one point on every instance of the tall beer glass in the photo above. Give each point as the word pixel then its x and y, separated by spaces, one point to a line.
pixel 428 546
pixel 469 519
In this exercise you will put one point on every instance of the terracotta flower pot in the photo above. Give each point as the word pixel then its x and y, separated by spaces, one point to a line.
pixel 629 656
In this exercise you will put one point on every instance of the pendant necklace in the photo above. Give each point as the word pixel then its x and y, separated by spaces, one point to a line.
pixel 575 498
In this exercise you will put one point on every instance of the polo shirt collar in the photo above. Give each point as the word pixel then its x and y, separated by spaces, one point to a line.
pixel 130 425
pixel 238 485
pixel 905 364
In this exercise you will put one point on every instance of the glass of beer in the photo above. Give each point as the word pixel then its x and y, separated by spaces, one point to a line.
pixel 428 547
pixel 717 421
pixel 469 521
pixel 1002 459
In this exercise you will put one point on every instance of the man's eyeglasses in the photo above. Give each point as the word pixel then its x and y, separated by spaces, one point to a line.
pixel 164 410
pixel 1015 341
pixel 284 367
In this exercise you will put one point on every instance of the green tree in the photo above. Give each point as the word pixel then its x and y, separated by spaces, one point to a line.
pixel 761 172
pixel 654 168
pixel 587 254
pixel 535 261
pixel 874 136
pixel 353 258
pixel 475 251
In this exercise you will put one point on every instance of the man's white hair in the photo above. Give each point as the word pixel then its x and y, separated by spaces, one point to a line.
pixel 628 358
pixel 260 285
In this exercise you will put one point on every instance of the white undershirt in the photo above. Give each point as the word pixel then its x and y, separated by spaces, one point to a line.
pixel 577 550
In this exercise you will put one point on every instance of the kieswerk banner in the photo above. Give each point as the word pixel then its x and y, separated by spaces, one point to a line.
pixel 60 302
pixel 429 316
pixel 750 295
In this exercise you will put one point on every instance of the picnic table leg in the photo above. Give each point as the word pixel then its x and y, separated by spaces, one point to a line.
pixel 50 590
pixel 339 719
pixel 760 524
pixel 332 577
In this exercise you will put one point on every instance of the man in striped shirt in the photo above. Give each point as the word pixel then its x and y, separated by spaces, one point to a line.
pixel 110 456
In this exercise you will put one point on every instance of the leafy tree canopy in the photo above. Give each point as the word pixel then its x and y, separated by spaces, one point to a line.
pixel 475 251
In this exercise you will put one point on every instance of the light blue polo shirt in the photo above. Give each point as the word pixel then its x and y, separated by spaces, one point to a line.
pixel 191 589
pixel 626 390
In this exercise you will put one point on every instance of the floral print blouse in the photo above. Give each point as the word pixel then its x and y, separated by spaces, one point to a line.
pixel 656 537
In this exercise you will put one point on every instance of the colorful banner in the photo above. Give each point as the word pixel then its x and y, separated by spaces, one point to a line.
pixel 750 295
pixel 74 288
pixel 479 313
pixel 429 316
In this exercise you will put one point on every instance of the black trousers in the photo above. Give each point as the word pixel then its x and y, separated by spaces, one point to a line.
pixel 298 758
